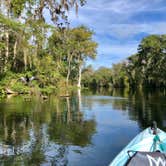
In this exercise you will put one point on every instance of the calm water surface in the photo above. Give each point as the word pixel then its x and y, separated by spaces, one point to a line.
pixel 87 129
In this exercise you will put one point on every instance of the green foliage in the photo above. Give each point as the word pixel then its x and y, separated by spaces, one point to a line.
pixel 87 76
pixel 48 90
pixel 6 79
pixel 119 75
pixel 2 91
pixel 20 88
pixel 99 78
pixel 147 67
pixel 10 23
pixel 17 7
pixel 103 77
pixel 27 49
pixel 143 69
pixel 70 48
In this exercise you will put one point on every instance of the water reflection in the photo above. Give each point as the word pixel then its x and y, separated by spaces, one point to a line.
pixel 146 106
pixel 142 106
pixel 40 132
pixel 88 129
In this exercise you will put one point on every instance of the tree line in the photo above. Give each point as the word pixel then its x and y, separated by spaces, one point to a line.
pixel 146 68
pixel 36 39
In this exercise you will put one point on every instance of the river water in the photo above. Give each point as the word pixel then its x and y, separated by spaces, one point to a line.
pixel 86 129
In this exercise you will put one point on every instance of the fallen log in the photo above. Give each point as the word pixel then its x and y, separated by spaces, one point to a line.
pixel 9 91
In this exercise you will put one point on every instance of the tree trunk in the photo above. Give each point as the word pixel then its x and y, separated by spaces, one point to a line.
pixel 69 69
pixel 79 99
pixel 79 76
pixel 25 59
pixel 67 78
pixel 15 53
pixel 30 61
pixel 6 49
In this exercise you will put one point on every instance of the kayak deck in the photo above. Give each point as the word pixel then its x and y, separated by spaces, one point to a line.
pixel 146 141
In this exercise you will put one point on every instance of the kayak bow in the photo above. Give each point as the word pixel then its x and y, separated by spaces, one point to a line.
pixel 146 141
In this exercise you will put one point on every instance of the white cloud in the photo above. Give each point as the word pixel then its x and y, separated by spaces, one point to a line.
pixel 125 6
pixel 129 30
pixel 109 54
pixel 116 24
pixel 116 27
pixel 118 49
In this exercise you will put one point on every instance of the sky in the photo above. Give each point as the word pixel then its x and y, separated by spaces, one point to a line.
pixel 119 26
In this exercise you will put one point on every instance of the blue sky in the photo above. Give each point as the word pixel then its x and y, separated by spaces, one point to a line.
pixel 120 25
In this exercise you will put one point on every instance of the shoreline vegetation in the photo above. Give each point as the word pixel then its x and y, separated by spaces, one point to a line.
pixel 145 69
pixel 54 54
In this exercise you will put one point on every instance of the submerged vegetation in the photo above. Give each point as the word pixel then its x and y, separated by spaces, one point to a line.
pixel 147 68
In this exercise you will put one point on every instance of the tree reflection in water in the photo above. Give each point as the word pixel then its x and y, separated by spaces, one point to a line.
pixel 49 133
pixel 141 105
pixel 146 106
pixel 35 132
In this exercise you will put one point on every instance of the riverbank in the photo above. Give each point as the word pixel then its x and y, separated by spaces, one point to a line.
pixel 27 83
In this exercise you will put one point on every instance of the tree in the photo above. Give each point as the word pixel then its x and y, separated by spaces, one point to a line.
pixel 24 37
pixel 150 61
pixel 119 75
pixel 70 48
pixel 85 48
pixel 103 77
pixel 87 76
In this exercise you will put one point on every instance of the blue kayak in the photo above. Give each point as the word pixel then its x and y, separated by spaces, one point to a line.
pixel 148 145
